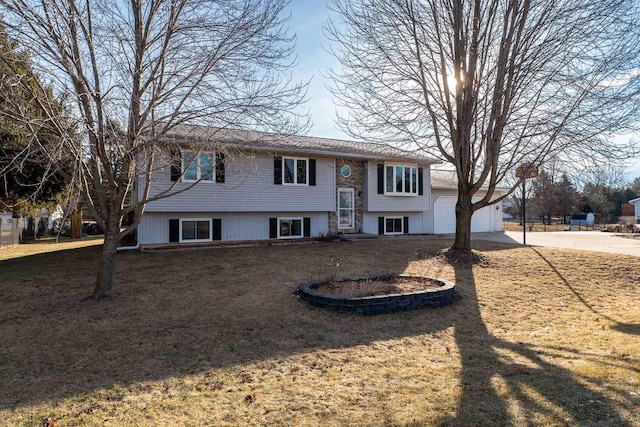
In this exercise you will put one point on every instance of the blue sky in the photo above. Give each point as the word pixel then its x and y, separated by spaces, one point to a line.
pixel 308 17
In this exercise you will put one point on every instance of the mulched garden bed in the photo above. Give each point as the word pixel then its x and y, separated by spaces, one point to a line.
pixel 378 286
pixel 379 294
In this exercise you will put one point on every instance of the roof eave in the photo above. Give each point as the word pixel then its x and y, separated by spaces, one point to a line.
pixel 185 139
pixel 342 154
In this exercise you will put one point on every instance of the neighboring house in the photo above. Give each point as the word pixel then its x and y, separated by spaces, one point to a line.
pixel 444 196
pixel 636 203
pixel 265 186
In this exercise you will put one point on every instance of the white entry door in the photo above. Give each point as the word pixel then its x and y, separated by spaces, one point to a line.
pixel 346 208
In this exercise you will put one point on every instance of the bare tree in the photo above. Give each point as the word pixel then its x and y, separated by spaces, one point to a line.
pixel 26 181
pixel 134 70
pixel 486 85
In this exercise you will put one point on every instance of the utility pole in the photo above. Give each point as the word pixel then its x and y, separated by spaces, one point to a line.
pixel 524 213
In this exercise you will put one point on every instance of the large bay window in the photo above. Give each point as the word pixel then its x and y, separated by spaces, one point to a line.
pixel 401 180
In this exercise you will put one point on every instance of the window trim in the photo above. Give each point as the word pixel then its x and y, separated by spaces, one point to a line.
pixel 394 232
pixel 290 219
pixel 352 225
pixel 295 171
pixel 413 190
pixel 196 240
pixel 198 166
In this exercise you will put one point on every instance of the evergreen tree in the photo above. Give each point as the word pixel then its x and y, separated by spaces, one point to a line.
pixel 567 198
pixel 544 201
pixel 26 178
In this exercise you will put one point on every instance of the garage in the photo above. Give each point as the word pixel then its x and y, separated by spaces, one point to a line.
pixel 444 216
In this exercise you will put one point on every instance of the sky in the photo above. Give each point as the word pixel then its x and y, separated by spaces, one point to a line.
pixel 308 17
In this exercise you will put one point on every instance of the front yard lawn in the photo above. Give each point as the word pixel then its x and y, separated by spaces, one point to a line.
pixel 216 337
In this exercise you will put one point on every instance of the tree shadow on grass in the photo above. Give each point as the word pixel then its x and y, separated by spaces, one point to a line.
pixel 180 313
pixel 512 383
pixel 627 328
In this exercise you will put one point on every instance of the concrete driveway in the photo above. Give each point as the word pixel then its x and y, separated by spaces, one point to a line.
pixel 594 241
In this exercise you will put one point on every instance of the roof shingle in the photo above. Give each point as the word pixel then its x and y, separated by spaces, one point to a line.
pixel 270 142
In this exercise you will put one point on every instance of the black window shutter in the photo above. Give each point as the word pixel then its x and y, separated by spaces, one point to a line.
pixel 220 167
pixel 174 230
pixel 405 228
pixel 380 225
pixel 306 227
pixel 217 229
pixel 176 164
pixel 277 170
pixel 312 171
pixel 273 228
pixel 380 179
pixel 420 184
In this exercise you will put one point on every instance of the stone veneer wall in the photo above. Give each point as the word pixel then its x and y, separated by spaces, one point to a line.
pixel 355 181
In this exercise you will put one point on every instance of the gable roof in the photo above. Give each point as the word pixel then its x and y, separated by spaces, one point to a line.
pixel 293 144
pixel 634 200
pixel 447 180
pixel 444 179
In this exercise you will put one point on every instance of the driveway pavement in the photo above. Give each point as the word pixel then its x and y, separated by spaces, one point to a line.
pixel 595 241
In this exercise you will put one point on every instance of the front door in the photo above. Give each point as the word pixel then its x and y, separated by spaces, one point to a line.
pixel 346 208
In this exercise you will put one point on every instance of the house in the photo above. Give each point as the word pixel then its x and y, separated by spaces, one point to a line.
pixel 444 197
pixel 636 203
pixel 260 186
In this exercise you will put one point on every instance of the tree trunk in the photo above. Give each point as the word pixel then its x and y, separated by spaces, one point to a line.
pixel 104 281
pixel 462 242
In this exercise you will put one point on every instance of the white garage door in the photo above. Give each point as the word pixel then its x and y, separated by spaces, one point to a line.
pixel 481 220
pixel 444 217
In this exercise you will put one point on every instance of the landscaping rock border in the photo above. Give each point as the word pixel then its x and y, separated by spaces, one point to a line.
pixel 445 295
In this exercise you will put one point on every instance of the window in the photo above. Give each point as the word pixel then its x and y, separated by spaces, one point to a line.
pixel 290 228
pixel 345 208
pixel 401 180
pixel 197 166
pixel 195 230
pixel 393 225
pixel 294 171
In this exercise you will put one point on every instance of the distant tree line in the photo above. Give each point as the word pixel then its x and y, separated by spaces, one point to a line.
pixel 550 196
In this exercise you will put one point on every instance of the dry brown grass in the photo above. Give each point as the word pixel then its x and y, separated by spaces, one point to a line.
pixel 216 337
pixel 49 244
